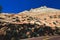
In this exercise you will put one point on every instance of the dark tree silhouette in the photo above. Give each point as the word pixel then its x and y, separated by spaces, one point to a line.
pixel 0 9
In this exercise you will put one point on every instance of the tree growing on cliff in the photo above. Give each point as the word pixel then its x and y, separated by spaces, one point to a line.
pixel 0 9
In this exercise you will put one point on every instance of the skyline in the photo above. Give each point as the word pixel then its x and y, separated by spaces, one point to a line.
pixel 14 6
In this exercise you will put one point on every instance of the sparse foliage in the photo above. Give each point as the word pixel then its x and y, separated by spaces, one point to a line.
pixel 0 9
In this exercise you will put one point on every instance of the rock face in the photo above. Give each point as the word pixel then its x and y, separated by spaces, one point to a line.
pixel 42 15
pixel 28 24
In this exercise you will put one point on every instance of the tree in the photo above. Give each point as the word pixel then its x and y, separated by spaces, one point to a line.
pixel 57 30
pixel 0 9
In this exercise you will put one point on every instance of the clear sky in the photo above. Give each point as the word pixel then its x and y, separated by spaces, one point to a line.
pixel 15 6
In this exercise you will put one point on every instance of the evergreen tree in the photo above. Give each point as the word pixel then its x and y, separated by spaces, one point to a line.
pixel 0 9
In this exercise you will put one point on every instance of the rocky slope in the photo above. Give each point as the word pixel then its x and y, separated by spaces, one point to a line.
pixel 29 24
pixel 42 15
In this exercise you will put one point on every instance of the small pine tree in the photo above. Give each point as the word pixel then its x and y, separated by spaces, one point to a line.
pixel 0 9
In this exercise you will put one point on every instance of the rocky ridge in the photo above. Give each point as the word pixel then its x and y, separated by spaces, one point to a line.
pixel 38 15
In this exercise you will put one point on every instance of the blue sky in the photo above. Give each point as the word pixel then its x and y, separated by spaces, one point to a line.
pixel 16 6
